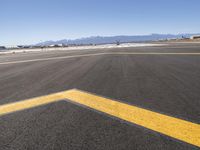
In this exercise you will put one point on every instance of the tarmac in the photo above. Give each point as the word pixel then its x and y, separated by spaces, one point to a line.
pixel 163 79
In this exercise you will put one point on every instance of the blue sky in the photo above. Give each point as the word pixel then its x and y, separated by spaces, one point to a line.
pixel 32 21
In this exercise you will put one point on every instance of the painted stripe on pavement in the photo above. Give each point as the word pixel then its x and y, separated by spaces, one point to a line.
pixel 95 54
pixel 176 128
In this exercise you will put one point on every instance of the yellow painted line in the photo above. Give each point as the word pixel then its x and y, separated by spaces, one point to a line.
pixel 30 103
pixel 173 127
pixel 50 58
pixel 93 54
pixel 176 128
pixel 151 53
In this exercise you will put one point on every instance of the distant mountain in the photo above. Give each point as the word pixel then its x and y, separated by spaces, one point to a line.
pixel 113 39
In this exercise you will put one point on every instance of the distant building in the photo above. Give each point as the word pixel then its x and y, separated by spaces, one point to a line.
pixel 195 37
pixel 27 46
pixel 64 45
pixel 169 39
pixel 24 46
pixel 2 47
pixel 56 45
pixel 12 47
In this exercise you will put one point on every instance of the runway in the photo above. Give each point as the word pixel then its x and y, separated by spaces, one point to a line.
pixel 161 79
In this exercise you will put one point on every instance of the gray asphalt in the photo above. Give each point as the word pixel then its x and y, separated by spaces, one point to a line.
pixel 168 84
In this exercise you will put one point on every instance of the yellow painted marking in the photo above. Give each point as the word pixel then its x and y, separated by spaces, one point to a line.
pixel 94 54
pixel 30 103
pixel 180 129
pixel 176 128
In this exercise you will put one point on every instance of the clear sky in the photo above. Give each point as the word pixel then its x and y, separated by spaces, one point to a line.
pixel 32 21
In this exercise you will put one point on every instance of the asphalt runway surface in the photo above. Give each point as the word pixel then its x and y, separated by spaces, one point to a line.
pixel 167 84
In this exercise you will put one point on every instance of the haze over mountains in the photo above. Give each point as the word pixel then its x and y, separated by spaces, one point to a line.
pixel 113 39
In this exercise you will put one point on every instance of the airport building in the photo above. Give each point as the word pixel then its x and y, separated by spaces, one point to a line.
pixel 2 47
pixel 194 37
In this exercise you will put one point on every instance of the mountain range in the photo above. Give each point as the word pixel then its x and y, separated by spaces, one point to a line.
pixel 113 39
